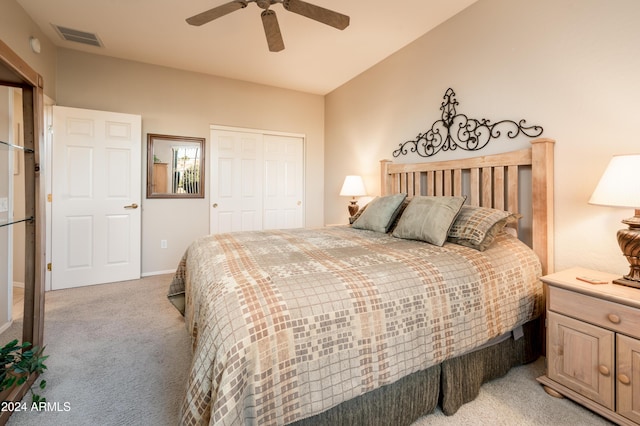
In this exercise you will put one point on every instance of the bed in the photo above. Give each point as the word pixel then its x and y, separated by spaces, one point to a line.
pixel 361 325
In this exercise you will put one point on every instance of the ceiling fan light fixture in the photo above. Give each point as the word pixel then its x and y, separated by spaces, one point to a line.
pixel 264 4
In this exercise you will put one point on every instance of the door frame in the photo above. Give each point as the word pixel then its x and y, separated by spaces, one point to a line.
pixel 212 167
pixel 48 177
pixel 14 71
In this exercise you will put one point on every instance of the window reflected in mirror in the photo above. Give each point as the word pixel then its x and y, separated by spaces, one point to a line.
pixel 175 167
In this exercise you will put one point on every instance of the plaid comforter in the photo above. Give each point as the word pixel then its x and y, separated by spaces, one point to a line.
pixel 287 324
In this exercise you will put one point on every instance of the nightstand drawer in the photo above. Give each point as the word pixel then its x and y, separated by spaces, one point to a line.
pixel 610 315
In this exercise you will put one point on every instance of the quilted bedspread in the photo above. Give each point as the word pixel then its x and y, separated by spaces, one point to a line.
pixel 287 324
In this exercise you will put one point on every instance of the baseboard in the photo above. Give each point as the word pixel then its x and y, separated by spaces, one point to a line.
pixel 5 327
pixel 150 274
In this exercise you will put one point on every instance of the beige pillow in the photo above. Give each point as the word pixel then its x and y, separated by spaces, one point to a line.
pixel 380 213
pixel 403 206
pixel 477 227
pixel 428 218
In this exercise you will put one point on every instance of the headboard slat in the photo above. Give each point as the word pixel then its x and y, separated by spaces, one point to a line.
pixel 403 182
pixel 498 182
pixel 487 188
pixel 474 191
pixel 439 182
pixel 447 183
pixel 410 184
pixel 457 182
pixel 512 189
pixel 431 177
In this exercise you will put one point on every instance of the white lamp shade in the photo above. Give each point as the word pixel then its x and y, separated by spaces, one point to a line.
pixel 620 184
pixel 353 186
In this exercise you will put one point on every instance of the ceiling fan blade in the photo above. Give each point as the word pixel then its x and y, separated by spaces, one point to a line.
pixel 317 13
pixel 216 12
pixel 272 30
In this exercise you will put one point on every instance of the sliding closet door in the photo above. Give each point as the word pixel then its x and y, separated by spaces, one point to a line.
pixel 283 182
pixel 236 175
pixel 257 181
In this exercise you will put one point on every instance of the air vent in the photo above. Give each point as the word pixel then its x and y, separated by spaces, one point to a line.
pixel 78 36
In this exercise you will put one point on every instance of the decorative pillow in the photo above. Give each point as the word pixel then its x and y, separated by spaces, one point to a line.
pixel 401 209
pixel 477 227
pixel 380 213
pixel 428 218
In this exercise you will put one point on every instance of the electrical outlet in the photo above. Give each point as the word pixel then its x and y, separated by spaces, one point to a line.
pixel 163 244
pixel 4 205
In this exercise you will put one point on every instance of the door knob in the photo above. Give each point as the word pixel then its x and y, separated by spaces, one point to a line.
pixel 215 205
pixel 132 206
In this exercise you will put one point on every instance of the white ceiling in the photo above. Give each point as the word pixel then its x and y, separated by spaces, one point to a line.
pixel 317 58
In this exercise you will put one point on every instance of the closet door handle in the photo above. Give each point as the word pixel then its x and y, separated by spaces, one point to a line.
pixel 131 206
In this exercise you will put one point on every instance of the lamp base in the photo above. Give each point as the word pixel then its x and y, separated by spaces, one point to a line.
pixel 353 208
pixel 626 282
pixel 629 242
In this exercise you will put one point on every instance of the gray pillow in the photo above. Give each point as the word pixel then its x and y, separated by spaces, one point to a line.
pixel 380 213
pixel 428 218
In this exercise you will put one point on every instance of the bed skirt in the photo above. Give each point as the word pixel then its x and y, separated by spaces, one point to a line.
pixel 450 384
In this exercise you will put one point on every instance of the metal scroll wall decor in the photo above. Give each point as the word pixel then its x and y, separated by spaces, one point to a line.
pixel 456 130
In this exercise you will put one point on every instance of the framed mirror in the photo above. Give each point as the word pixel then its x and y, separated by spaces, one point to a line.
pixel 175 166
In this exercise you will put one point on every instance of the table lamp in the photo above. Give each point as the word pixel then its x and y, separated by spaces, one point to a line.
pixel 353 186
pixel 619 186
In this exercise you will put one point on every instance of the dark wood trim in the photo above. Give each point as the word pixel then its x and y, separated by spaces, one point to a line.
pixel 17 73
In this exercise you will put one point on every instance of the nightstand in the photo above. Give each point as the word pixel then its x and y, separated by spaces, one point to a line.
pixel 593 344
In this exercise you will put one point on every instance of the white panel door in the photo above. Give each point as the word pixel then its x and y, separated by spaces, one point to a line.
pixel 236 181
pixel 283 182
pixel 96 187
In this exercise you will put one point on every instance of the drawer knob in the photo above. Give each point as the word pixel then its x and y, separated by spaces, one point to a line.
pixel 624 379
pixel 614 318
pixel 603 370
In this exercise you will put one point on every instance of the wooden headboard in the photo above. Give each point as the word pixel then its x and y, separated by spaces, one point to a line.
pixel 488 181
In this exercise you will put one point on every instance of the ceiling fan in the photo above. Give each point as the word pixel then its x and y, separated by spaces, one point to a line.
pixel 269 19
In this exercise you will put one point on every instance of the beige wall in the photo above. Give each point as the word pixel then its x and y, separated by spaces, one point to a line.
pixel 16 27
pixel 570 66
pixel 177 103
pixel 183 103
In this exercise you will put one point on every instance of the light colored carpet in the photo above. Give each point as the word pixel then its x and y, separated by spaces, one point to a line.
pixel 119 355
pixel 517 399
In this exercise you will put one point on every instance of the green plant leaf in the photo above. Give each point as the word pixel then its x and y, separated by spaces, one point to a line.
pixel 18 362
